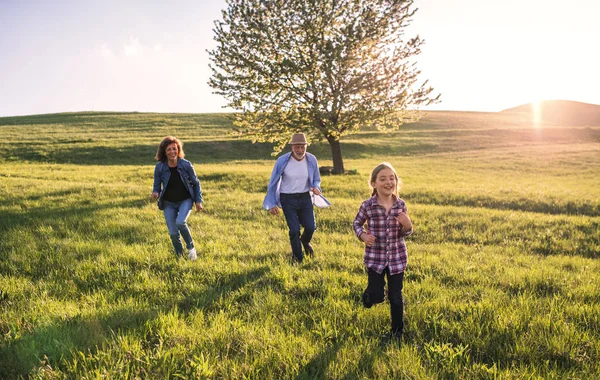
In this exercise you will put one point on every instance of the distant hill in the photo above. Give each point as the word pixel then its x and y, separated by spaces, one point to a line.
pixel 565 112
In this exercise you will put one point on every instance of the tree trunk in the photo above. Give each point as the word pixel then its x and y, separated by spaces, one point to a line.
pixel 336 155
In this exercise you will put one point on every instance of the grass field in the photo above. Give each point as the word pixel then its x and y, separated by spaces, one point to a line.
pixel 504 265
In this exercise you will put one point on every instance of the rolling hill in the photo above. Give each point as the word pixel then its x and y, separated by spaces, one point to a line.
pixel 565 112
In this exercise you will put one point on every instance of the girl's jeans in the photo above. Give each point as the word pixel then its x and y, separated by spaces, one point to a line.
pixel 375 288
pixel 176 214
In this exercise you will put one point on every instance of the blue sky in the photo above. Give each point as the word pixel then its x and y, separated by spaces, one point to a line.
pixel 150 56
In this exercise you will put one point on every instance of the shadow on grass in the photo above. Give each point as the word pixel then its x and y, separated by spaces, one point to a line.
pixel 90 153
pixel 213 151
pixel 523 204
pixel 226 283
pixel 83 152
pixel 317 367
pixel 64 338
pixel 75 220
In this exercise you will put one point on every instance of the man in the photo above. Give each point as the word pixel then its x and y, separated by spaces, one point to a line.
pixel 294 175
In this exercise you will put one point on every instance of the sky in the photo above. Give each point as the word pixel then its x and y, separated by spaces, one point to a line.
pixel 151 56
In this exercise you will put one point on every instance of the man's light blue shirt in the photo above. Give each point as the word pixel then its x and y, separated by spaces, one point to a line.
pixel 314 178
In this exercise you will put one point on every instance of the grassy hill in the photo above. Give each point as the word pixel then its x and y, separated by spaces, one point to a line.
pixel 564 112
pixel 502 282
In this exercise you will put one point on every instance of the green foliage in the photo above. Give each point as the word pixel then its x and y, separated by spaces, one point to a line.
pixel 327 68
pixel 502 280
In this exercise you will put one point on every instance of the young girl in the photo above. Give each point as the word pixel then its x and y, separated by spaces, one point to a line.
pixel 385 251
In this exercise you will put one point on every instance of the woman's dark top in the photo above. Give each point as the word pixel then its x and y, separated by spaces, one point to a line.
pixel 176 191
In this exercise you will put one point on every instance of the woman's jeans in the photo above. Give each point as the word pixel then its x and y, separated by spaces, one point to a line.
pixel 176 214
pixel 298 210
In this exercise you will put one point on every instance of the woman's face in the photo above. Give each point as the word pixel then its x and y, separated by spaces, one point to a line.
pixel 172 151
pixel 385 182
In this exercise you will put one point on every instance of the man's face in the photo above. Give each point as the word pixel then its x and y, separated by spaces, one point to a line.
pixel 298 151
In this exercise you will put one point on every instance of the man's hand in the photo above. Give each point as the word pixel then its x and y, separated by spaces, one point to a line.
pixel 316 191
pixel 274 210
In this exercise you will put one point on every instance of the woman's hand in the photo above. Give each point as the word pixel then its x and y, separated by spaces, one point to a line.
pixel 199 207
pixel 154 196
pixel 404 221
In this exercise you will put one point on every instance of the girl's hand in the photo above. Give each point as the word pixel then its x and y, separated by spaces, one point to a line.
pixel 404 221
pixel 368 238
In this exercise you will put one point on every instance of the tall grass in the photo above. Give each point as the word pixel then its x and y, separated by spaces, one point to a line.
pixel 503 268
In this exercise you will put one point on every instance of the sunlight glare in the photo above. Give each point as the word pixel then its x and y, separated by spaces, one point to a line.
pixel 536 113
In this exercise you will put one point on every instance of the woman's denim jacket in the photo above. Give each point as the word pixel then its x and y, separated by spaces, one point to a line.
pixel 314 178
pixel 162 174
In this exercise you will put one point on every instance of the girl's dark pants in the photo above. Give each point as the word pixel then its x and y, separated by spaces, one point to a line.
pixel 375 289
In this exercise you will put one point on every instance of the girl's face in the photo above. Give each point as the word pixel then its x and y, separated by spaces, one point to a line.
pixel 385 182
pixel 171 151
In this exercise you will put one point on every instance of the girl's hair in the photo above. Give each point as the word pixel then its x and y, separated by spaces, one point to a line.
pixel 375 172
pixel 161 154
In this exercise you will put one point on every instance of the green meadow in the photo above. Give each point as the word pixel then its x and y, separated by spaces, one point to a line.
pixel 503 278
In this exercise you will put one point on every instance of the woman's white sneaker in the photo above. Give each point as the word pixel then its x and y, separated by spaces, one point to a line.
pixel 192 254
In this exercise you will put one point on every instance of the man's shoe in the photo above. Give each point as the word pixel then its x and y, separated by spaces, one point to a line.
pixel 308 249
pixel 366 300
pixel 192 254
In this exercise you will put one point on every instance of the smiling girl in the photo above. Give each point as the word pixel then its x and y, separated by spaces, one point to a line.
pixel 387 223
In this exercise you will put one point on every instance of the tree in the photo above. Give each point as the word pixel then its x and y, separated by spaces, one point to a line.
pixel 323 67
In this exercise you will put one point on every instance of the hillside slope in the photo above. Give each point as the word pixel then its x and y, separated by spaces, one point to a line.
pixel 564 112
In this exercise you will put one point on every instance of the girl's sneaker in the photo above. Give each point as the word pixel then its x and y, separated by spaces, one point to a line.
pixel 366 300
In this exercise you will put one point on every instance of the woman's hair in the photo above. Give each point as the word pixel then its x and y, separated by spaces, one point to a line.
pixel 161 154
pixel 375 172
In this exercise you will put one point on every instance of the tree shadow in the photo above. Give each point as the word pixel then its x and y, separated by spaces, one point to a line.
pixel 76 218
pixel 549 206
pixel 64 337
pixel 90 153
pixel 365 364
pixel 59 339
pixel 226 283
pixel 317 367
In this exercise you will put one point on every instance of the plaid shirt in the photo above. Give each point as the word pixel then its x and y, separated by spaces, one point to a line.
pixel 389 250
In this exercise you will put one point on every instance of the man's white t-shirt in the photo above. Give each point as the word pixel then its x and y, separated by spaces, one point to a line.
pixel 295 177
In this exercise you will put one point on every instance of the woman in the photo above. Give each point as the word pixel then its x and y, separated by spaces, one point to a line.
pixel 177 189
